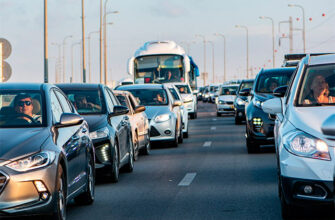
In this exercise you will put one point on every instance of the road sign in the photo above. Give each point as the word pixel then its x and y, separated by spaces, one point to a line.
pixel 6 48
pixel 7 71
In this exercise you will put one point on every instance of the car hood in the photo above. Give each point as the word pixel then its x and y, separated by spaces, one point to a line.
pixel 264 96
pixel 187 96
pixel 310 119
pixel 227 98
pixel 95 121
pixel 153 111
pixel 17 142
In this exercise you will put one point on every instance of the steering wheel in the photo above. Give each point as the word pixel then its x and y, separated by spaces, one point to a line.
pixel 21 116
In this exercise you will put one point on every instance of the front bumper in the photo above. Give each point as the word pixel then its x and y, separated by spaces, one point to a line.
pixel 19 196
pixel 224 108
pixel 103 152
pixel 163 131
pixel 239 111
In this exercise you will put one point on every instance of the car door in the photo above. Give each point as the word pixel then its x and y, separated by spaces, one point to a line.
pixel 139 118
pixel 67 139
pixel 175 109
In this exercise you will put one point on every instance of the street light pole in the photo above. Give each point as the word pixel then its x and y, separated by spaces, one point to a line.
pixel 72 73
pixel 246 28
pixel 213 60
pixel 273 39
pixel 58 61
pixel 64 68
pixel 224 59
pixel 204 41
pixel 46 74
pixel 89 55
pixel 303 24
pixel 83 40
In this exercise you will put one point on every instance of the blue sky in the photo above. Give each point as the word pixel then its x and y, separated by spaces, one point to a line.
pixel 21 22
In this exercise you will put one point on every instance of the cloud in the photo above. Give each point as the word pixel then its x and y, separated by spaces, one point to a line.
pixel 168 9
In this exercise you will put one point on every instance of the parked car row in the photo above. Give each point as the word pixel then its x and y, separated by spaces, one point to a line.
pixel 56 138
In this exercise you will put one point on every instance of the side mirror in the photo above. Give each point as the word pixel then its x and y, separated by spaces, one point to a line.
pixel 69 119
pixel 245 92
pixel 328 127
pixel 187 100
pixel 119 110
pixel 177 103
pixel 139 108
pixel 280 91
pixel 131 66
pixel 187 64
pixel 272 106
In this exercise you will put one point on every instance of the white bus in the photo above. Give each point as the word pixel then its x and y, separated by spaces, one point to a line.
pixel 163 62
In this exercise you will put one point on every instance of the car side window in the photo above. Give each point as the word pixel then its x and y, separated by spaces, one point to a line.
pixel 132 102
pixel 114 99
pixel 56 108
pixel 288 92
pixel 109 101
pixel 63 101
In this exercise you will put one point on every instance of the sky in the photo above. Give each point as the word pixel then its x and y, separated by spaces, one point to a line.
pixel 21 23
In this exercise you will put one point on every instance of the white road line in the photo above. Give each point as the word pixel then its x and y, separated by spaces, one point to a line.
pixel 187 180
pixel 213 128
pixel 207 144
pixel 214 119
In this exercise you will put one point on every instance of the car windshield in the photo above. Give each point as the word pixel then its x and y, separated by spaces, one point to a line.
pixel 150 97
pixel 246 85
pixel 86 101
pixel 266 83
pixel 122 100
pixel 21 109
pixel 183 89
pixel 174 94
pixel 231 90
pixel 318 86
pixel 214 89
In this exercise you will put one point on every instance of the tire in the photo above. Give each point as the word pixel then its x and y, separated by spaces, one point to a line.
pixel 147 148
pixel 136 148
pixel 60 212
pixel 180 138
pixel 238 121
pixel 252 147
pixel 218 114
pixel 87 197
pixel 115 164
pixel 185 134
pixel 129 167
pixel 192 115
pixel 174 143
pixel 195 115
pixel 287 211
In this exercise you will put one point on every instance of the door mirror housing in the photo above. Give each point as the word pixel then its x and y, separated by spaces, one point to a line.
pixel 69 119
pixel 139 108
pixel 119 110
pixel 131 66
pixel 272 106
pixel 328 127
pixel 280 91
pixel 177 103
pixel 245 92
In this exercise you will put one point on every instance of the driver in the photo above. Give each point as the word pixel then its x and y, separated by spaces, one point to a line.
pixel 23 105
pixel 82 103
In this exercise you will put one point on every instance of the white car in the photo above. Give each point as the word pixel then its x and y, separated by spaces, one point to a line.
pixel 305 136
pixel 189 99
pixel 225 100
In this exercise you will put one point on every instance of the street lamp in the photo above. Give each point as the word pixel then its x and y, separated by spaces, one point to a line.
pixel 64 68
pixel 213 60
pixel 188 45
pixel 273 38
pixel 46 74
pixel 224 60
pixel 89 54
pixel 72 73
pixel 59 61
pixel 246 28
pixel 105 40
pixel 83 40
pixel 204 41
pixel 303 23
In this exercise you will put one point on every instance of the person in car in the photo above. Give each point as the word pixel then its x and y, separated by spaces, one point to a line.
pixel 82 103
pixel 159 99
pixel 23 106
pixel 319 92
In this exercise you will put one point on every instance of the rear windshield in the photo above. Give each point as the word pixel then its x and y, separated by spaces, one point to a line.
pixel 267 82
pixel 122 100
pixel 318 86
pixel 246 85
pixel 231 90
pixel 150 97
pixel 86 101
pixel 183 89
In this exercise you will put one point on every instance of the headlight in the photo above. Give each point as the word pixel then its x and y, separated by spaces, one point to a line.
pixel 35 161
pixel 162 118
pixel 257 103
pixel 305 145
pixel 240 101
pixel 101 133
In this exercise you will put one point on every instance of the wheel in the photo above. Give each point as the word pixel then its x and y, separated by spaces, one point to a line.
pixel 287 211
pixel 180 138
pixel 60 212
pixel 218 114
pixel 237 121
pixel 115 164
pixel 146 149
pixel 252 147
pixel 192 115
pixel 130 165
pixel 195 115
pixel 174 143
pixel 87 197
pixel 136 148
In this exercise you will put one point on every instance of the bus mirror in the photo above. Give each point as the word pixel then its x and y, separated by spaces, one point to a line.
pixel 187 64
pixel 131 66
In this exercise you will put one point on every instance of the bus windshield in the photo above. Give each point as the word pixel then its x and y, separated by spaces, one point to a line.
pixel 159 69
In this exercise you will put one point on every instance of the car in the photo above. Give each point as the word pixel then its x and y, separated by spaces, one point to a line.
pixel 200 93
pixel 259 125
pixel 205 94
pixel 304 137
pixel 213 89
pixel 225 100
pixel 183 108
pixel 161 109
pixel 109 126
pixel 190 100
pixel 47 156
pixel 138 120
pixel 241 101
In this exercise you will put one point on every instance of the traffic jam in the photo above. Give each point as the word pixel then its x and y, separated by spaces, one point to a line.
pixel 164 144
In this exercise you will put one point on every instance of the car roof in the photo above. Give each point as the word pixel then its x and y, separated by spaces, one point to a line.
pixel 247 80
pixel 277 70
pixel 322 59
pixel 229 85
pixel 78 86
pixel 141 86
pixel 23 86
pixel 121 92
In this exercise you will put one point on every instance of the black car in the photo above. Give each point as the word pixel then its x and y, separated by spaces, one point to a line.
pixel 240 101
pixel 108 123
pixel 47 157
pixel 259 125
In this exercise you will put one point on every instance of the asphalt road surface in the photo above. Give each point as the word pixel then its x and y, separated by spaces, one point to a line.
pixel 209 176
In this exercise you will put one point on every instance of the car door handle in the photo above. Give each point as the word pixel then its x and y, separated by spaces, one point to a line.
pixel 75 138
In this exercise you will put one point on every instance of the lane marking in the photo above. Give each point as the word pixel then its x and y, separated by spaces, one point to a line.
pixel 214 119
pixel 213 128
pixel 207 144
pixel 187 180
